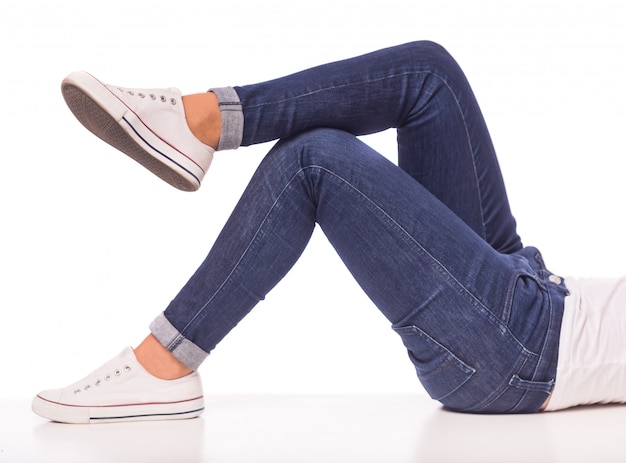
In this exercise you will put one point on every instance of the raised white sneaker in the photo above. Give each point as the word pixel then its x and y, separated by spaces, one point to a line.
pixel 148 125
pixel 122 390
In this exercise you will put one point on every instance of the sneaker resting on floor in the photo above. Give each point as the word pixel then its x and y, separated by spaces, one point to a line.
pixel 122 390
pixel 148 125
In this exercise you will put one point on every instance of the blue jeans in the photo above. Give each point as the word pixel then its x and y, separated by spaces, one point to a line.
pixel 432 240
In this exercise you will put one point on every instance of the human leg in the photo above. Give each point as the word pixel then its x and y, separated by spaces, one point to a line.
pixel 472 319
pixel 158 361
pixel 436 280
pixel 417 88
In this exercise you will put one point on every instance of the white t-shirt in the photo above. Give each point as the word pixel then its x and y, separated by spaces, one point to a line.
pixel 591 368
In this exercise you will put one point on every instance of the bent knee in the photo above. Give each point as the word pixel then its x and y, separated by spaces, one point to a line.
pixel 316 145
pixel 321 137
pixel 327 148
pixel 434 54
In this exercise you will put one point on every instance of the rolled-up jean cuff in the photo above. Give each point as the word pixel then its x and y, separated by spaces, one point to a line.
pixel 232 118
pixel 183 349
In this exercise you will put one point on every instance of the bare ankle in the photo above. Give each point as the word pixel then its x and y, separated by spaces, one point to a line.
pixel 158 361
pixel 203 117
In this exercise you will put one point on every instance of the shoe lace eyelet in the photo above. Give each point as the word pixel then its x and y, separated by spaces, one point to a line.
pixel 163 99
pixel 152 96
pixel 127 368
pixel 173 101
pixel 107 378
pixel 117 372
pixel 141 95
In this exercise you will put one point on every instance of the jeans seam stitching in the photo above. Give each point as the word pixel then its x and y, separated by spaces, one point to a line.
pixel 241 257
pixel 440 266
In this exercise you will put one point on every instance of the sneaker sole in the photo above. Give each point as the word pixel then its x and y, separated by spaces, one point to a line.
pixel 72 414
pixel 112 121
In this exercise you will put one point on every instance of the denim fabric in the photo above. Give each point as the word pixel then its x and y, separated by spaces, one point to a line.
pixel 432 241
pixel 231 111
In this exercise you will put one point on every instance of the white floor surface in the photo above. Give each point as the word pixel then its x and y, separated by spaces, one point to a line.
pixel 324 428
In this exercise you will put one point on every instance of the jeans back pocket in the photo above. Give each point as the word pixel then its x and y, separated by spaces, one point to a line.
pixel 439 370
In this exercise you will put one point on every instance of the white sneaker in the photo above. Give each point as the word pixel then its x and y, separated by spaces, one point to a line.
pixel 122 390
pixel 148 125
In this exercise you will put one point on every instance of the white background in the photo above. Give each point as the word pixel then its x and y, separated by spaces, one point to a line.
pixel 92 247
